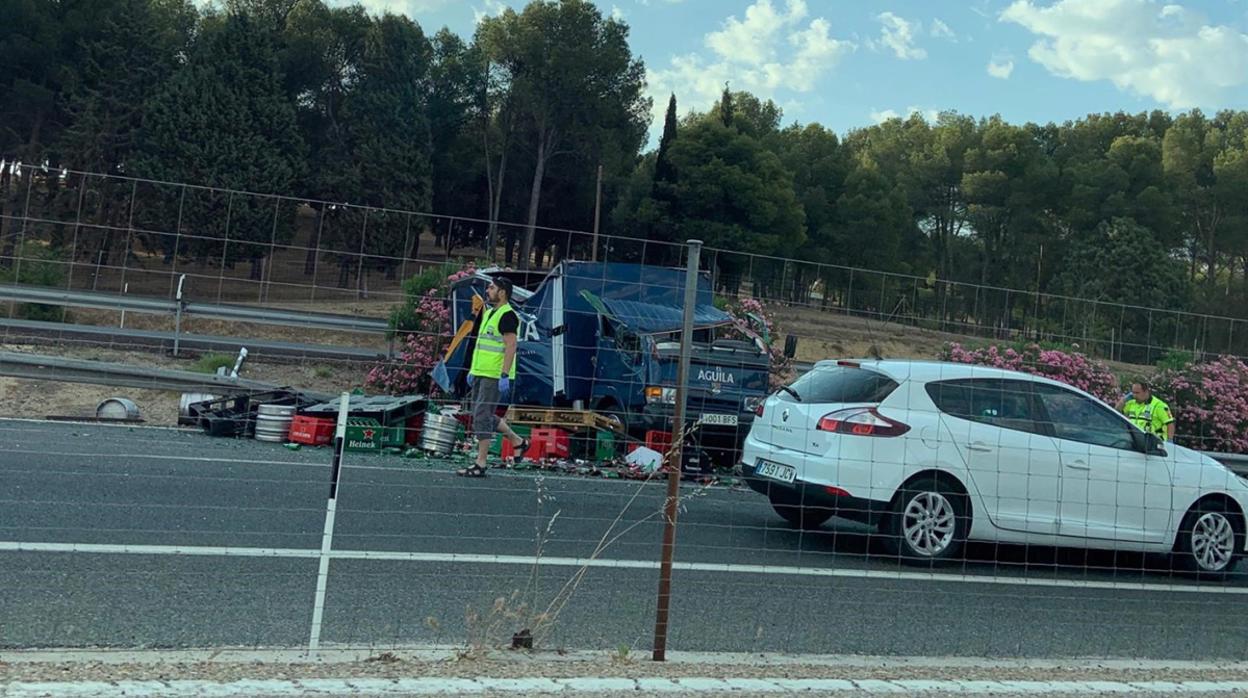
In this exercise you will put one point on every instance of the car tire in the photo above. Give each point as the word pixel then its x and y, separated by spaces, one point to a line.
pixel 1210 541
pixel 803 517
pixel 927 523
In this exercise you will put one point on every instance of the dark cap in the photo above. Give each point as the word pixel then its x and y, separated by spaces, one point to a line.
pixel 503 284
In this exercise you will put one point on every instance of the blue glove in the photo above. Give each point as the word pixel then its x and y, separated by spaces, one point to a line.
pixel 504 385
pixel 471 378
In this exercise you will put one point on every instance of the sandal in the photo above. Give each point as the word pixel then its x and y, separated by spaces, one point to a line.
pixel 474 471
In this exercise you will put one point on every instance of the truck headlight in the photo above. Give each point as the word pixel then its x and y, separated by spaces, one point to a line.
pixel 660 396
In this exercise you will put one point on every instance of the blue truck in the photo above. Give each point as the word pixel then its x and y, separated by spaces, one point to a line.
pixel 606 337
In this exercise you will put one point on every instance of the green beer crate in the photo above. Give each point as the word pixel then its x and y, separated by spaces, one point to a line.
pixel 367 434
pixel 604 446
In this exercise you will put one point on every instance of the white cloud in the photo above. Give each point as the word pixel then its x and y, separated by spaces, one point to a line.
pixel 1001 67
pixel 773 48
pixel 898 35
pixel 1166 52
pixel 410 8
pixel 749 42
pixel 617 13
pixel 880 116
pixel 492 8
pixel 940 30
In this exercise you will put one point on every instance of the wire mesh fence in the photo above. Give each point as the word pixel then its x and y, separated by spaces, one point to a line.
pixel 994 503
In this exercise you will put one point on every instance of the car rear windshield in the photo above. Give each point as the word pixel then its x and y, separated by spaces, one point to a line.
pixel 841 384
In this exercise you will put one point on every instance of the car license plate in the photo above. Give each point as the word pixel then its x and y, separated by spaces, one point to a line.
pixel 719 420
pixel 776 471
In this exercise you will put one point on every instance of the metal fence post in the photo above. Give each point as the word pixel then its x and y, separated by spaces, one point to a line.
pixel 327 535
pixel 177 318
pixel 674 454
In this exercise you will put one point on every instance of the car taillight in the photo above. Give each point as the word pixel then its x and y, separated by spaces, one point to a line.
pixel 758 411
pixel 861 421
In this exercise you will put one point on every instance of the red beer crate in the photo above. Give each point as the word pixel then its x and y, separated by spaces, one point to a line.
pixel 313 431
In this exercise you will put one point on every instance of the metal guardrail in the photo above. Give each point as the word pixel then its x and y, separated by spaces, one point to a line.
pixel 240 313
pixel 104 336
pixel 57 368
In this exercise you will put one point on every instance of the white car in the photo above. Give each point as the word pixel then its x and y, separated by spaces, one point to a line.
pixel 936 454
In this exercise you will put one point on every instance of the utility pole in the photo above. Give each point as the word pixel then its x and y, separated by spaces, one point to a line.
pixel 597 211
pixel 674 466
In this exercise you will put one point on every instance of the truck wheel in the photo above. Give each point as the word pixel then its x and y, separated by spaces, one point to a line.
pixel 616 414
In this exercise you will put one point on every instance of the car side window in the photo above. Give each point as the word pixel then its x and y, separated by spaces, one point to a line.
pixel 1003 403
pixel 1077 418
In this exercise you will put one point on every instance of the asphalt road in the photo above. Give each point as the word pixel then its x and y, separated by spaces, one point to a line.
pixel 421 556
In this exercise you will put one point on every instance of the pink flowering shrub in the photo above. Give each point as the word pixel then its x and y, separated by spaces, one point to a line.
pixel 429 315
pixel 1073 369
pixel 741 310
pixel 1209 401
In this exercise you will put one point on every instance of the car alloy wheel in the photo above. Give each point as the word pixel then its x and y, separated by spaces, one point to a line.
pixel 929 524
pixel 1213 542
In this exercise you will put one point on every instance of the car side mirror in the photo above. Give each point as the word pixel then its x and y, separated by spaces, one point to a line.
pixel 1148 444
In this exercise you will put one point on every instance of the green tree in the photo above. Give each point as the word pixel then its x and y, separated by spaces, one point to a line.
pixel 326 45
pixel 570 76
pixel 663 170
pixel 1125 262
pixel 457 81
pixel 223 121
pixel 1010 185
pixel 136 47
pixel 1206 163
pixel 387 130
pixel 819 165
pixel 734 194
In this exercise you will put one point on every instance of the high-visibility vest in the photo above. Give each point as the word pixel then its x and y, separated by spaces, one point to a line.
pixel 1152 416
pixel 487 358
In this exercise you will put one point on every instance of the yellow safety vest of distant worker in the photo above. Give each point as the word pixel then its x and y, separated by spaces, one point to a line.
pixel 1149 412
pixel 487 358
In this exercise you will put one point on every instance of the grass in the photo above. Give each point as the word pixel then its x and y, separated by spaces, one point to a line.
pixel 209 363
pixel 323 372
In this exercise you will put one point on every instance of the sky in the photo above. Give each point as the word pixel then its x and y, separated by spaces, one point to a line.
pixel 849 64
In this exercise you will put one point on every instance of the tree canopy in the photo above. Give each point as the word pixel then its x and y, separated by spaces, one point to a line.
pixel 314 100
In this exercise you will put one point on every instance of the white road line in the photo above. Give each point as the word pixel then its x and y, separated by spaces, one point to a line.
pixel 607 563
pixel 594 685
pixel 185 550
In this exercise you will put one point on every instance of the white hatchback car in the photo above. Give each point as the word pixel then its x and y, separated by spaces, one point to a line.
pixel 936 454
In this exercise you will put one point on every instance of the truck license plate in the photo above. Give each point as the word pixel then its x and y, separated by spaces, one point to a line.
pixel 719 420
pixel 776 471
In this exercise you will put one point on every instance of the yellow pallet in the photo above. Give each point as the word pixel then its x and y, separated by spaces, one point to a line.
pixel 572 420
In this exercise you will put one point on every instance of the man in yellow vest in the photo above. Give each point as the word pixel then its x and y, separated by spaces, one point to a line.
pixel 1147 411
pixel 492 373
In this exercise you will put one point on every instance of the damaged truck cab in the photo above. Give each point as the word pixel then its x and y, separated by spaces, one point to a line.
pixel 606 337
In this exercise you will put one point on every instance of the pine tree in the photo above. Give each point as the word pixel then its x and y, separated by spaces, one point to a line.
pixel 663 170
pixel 224 121
pixel 387 125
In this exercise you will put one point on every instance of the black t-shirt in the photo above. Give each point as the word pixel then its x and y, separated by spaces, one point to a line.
pixel 509 323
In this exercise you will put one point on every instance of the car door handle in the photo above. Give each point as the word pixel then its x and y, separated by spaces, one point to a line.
pixel 979 446
pixel 1078 465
